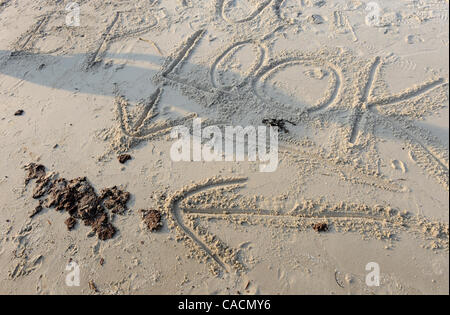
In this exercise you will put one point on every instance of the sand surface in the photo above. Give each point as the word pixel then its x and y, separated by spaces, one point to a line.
pixel 368 154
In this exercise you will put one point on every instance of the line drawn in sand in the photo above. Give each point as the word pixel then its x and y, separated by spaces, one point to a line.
pixel 112 33
pixel 230 51
pixel 144 127
pixel 400 62
pixel 123 24
pixel 173 64
pixel 346 172
pixel 281 5
pixel 429 10
pixel 262 53
pixel 176 62
pixel 172 208
pixel 4 4
pixel 257 71
pixel 368 102
pixel 25 261
pixel 277 7
pixel 211 199
pixel 48 35
pixel 221 11
pixel 265 67
pixel 341 24
pixel 365 102
pixel 429 156
pixel 26 42
pixel 331 92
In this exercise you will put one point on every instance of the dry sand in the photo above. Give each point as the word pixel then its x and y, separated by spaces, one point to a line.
pixel 368 154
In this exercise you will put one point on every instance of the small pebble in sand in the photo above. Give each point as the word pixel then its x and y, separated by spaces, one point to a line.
pixel 320 227
pixel 152 219
pixel 19 112
pixel 316 19
pixel 124 158
pixel 409 39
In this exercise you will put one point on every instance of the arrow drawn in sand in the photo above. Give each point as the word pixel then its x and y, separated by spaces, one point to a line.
pixel 144 127
pixel 199 201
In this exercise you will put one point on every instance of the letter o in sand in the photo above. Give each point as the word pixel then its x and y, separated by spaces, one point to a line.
pixel 243 6
pixel 317 76
pixel 242 52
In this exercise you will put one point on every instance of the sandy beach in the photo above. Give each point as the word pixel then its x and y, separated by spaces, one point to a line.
pixel 94 201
